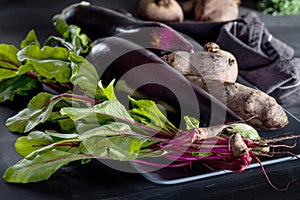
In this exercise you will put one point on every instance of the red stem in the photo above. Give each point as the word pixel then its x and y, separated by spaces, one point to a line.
pixel 55 87
pixel 33 75
pixel 9 62
pixel 68 144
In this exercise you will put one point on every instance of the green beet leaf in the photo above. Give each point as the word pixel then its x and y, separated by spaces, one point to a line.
pixel 146 112
pixel 35 140
pixel 57 64
pixel 117 141
pixel 114 109
pixel 34 52
pixel 84 75
pixel 110 109
pixel 101 114
pixel 18 85
pixel 58 41
pixel 120 147
pixel 31 39
pixel 108 92
pixel 72 44
pixel 9 62
pixel 60 23
pixel 80 43
pixel 40 165
pixel 50 63
pixel 112 129
pixel 61 136
pixel 191 122
pixel 44 107
pixel 245 130
pixel 39 110
pixel 35 113
pixel 66 125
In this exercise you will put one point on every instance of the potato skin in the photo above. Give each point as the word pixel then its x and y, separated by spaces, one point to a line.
pixel 216 10
pixel 211 63
pixel 256 107
pixel 162 11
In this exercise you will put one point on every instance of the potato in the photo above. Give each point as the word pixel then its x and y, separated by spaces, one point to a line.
pixel 160 10
pixel 216 10
pixel 254 106
pixel 211 63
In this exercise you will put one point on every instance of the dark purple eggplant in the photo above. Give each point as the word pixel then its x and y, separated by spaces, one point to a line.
pixel 99 22
pixel 201 32
pixel 143 75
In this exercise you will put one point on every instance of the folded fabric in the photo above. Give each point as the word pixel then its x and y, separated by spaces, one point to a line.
pixel 281 79
pixel 263 60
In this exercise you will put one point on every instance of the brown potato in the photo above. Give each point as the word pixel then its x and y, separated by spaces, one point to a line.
pixel 216 10
pixel 256 107
pixel 211 63
pixel 160 10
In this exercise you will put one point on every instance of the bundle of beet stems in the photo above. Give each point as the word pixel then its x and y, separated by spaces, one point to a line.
pixel 224 147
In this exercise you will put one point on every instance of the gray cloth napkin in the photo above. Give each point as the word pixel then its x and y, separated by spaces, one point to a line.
pixel 263 60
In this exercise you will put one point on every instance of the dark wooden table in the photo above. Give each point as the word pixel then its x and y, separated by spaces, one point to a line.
pixel 96 181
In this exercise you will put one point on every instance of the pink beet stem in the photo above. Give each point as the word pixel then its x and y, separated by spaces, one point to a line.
pixel 266 175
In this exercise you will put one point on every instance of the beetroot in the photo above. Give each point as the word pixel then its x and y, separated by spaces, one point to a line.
pixel 225 147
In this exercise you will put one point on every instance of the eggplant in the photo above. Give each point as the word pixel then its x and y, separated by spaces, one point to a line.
pixel 201 32
pixel 141 74
pixel 99 22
